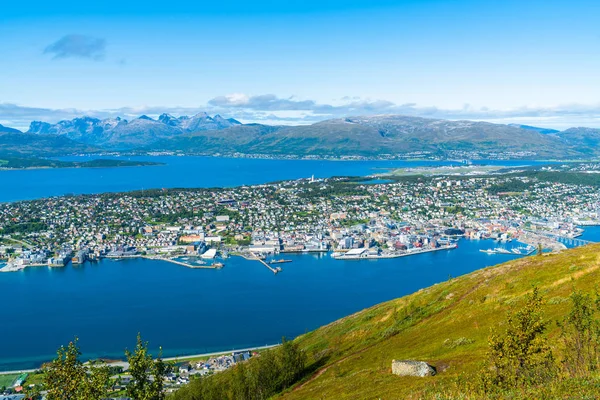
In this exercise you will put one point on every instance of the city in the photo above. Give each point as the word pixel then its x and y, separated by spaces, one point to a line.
pixel 349 218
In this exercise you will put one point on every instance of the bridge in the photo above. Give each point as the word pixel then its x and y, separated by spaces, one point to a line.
pixel 574 242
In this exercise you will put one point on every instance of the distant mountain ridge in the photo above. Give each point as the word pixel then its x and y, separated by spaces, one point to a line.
pixel 123 134
pixel 535 128
pixel 372 137
pixel 15 143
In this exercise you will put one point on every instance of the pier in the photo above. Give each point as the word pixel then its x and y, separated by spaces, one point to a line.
pixel 391 255
pixel 273 270
pixel 199 266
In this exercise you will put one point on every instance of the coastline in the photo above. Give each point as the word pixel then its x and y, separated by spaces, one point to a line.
pixel 81 167
pixel 321 158
pixel 168 359
pixel 302 270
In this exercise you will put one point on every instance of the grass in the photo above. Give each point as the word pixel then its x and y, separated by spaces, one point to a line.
pixel 6 380
pixel 434 171
pixel 447 325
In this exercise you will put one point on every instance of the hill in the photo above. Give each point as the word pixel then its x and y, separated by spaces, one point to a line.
pixel 17 144
pixel 586 140
pixel 6 129
pixel 447 325
pixel 28 163
pixel 121 134
pixel 535 128
pixel 370 137
pixel 373 137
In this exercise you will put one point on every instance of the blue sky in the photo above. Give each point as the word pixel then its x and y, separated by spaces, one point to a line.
pixel 532 61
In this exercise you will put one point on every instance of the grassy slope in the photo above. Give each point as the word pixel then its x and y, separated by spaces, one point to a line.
pixel 360 347
pixel 375 137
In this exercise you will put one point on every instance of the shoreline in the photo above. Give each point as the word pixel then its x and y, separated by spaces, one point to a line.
pixel 81 167
pixel 4 266
pixel 168 359
pixel 321 158
pixel 192 356
pixel 388 256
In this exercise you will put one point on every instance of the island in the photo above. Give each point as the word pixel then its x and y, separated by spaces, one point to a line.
pixel 34 163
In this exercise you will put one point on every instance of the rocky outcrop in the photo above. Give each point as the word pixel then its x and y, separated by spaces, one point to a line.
pixel 412 368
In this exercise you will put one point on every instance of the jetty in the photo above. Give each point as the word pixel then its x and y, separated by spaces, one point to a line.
pixel 273 270
pixel 184 264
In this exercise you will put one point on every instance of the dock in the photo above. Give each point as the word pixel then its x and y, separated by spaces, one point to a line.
pixel 215 266
pixel 342 256
pixel 273 270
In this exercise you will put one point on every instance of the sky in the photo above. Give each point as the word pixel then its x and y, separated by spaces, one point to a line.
pixel 296 62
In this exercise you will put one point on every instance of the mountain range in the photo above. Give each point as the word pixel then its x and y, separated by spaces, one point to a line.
pixel 118 133
pixel 376 136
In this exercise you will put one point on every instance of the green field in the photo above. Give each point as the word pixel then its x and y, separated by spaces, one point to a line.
pixel 434 171
pixel 447 325
pixel 7 380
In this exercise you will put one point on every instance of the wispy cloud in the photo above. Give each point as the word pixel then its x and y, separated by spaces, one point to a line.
pixel 271 109
pixel 77 46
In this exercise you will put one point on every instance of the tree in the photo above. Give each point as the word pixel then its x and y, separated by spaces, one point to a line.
pixel 67 378
pixel 147 374
pixel 580 333
pixel 239 383
pixel 521 354
pixel 292 362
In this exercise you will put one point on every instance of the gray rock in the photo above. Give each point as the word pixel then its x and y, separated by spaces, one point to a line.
pixel 412 368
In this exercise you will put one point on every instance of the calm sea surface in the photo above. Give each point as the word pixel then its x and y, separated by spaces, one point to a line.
pixel 189 311
pixel 188 171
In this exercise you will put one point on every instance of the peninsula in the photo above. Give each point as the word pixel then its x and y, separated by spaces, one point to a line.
pixel 14 163
pixel 541 208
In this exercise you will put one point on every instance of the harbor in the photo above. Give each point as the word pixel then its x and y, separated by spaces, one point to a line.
pixel 515 251
pixel 137 290
pixel 275 270
pixel 188 263
pixel 365 254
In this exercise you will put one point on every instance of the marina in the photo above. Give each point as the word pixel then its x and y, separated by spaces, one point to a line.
pixel 515 251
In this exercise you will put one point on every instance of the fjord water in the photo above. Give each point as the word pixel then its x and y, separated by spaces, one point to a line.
pixel 189 172
pixel 189 311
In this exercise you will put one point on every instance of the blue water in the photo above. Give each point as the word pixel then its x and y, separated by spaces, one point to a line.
pixel 590 233
pixel 189 311
pixel 190 172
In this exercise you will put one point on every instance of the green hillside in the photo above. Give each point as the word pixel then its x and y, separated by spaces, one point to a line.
pixel 447 325
pixel 371 137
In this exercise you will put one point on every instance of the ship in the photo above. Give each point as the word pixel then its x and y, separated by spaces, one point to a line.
pixel 518 251
pixel 280 261
pixel 523 250
pixel 497 250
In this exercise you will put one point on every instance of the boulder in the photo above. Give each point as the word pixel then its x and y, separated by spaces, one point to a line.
pixel 412 368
